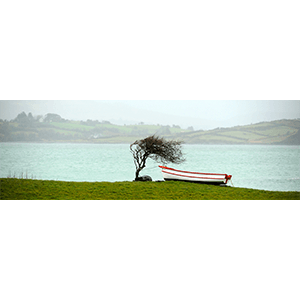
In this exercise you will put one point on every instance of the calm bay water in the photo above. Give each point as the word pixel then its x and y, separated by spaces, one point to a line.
pixel 274 168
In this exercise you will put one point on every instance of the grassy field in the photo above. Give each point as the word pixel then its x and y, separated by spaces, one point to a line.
pixel 26 189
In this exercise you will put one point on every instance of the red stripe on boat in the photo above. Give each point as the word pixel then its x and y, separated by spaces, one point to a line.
pixel 192 172
pixel 196 176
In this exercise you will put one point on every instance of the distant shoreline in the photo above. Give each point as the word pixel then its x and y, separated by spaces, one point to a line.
pixel 57 130
pixel 124 143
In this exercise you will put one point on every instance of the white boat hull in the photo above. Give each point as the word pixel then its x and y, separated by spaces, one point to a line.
pixel 206 178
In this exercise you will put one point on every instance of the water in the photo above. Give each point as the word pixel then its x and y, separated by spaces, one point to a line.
pixel 274 168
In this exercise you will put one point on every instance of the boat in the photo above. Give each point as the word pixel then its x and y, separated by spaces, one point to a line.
pixel 205 178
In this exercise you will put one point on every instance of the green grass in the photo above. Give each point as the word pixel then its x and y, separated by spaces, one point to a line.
pixel 14 189
pixel 73 125
pixel 242 134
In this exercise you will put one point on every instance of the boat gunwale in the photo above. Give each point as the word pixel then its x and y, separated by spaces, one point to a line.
pixel 187 176
pixel 162 167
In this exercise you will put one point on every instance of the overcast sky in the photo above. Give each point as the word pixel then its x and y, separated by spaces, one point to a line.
pixel 199 114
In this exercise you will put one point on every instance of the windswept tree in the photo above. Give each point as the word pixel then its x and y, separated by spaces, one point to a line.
pixel 156 148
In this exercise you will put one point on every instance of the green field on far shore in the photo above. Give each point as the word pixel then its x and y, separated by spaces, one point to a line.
pixel 28 189
pixel 56 129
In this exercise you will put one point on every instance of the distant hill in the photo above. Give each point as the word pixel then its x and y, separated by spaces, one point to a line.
pixel 285 132
pixel 53 128
pixel 291 140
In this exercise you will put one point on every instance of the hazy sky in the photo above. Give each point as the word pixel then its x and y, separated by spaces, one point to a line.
pixel 199 114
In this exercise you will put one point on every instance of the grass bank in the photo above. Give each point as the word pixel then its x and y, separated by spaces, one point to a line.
pixel 15 189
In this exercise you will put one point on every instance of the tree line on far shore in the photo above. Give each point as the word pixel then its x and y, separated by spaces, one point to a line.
pixel 52 127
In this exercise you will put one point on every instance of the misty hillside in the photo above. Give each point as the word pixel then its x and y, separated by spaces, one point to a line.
pixel 53 128
pixel 285 132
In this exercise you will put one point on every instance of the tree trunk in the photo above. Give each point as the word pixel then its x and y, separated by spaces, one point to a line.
pixel 137 173
pixel 141 165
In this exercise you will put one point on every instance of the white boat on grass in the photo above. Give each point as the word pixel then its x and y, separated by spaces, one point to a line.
pixel 206 178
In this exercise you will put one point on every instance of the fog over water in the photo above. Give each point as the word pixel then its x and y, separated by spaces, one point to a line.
pixel 199 114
